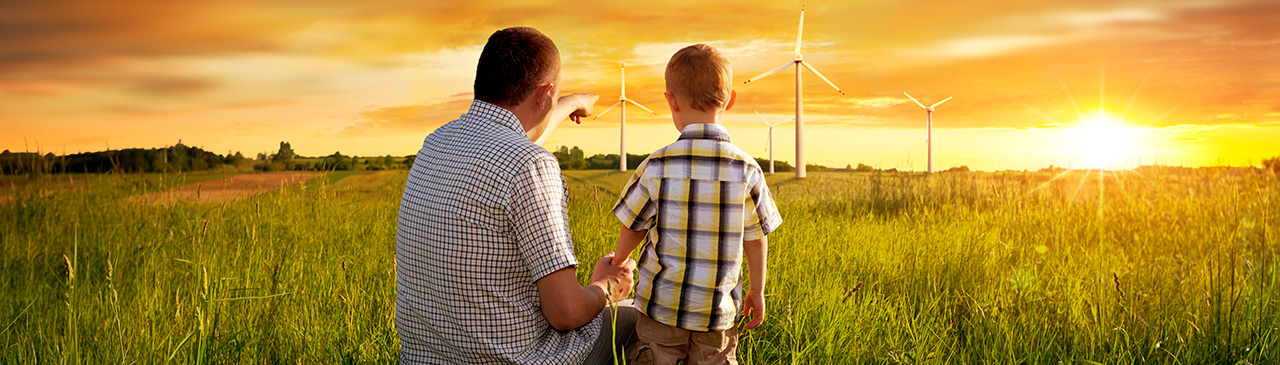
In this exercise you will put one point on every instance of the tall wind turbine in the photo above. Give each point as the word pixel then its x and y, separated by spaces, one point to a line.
pixel 622 139
pixel 771 125
pixel 798 62
pixel 928 110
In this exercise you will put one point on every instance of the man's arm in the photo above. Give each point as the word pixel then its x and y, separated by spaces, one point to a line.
pixel 627 242
pixel 756 251
pixel 575 106
pixel 568 305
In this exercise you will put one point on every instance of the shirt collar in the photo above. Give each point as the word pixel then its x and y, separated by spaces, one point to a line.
pixel 705 131
pixel 483 110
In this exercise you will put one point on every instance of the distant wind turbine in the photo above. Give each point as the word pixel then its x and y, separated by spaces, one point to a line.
pixel 622 139
pixel 798 61
pixel 929 114
pixel 771 125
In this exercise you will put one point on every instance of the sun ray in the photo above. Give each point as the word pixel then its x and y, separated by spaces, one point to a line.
pixel 1081 184
pixel 1067 91
pixel 1041 114
pixel 1052 179
pixel 1135 94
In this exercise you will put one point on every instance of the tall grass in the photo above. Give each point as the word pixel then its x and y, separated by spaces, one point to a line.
pixel 868 268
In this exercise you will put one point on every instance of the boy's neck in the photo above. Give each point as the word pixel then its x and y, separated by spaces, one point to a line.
pixel 707 118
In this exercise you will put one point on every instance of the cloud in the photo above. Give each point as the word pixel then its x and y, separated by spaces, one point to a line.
pixel 408 118
pixel 172 86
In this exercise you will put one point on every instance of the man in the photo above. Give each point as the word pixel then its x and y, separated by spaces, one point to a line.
pixel 485 261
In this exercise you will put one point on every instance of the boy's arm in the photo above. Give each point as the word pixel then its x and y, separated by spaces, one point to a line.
pixel 627 242
pixel 756 251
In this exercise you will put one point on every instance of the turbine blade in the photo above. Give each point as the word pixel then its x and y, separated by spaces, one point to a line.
pixel 773 71
pixel 940 102
pixel 606 110
pixel 641 106
pixel 914 99
pixel 800 31
pixel 781 123
pixel 766 121
pixel 824 78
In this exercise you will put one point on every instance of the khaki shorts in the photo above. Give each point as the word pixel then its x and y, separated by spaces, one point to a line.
pixel 662 344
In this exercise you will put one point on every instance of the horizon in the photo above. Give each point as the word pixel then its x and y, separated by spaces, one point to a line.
pixel 1094 84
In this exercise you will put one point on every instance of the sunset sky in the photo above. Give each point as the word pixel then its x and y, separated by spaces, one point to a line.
pixel 1035 82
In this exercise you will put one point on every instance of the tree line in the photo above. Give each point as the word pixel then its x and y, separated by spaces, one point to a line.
pixel 182 158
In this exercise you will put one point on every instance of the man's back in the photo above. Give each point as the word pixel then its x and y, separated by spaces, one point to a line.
pixel 482 219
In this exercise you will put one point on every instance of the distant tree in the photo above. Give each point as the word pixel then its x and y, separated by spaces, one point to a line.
pixel 778 166
pixel 865 168
pixel 958 169
pixel 337 161
pixel 1272 164
pixel 408 160
pixel 602 161
pixel 237 159
pixel 285 154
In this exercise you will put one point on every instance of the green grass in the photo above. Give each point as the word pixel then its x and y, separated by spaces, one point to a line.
pixel 953 268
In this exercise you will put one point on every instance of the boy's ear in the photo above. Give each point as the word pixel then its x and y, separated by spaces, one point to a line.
pixel 733 96
pixel 671 102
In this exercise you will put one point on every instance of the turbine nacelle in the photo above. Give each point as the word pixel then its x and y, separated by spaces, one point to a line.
pixel 797 63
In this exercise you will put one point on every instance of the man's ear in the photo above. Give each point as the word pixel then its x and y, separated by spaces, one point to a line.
pixel 733 96
pixel 671 102
pixel 544 93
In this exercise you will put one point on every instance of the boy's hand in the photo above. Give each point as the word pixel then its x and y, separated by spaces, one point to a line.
pixel 582 105
pixel 618 277
pixel 753 307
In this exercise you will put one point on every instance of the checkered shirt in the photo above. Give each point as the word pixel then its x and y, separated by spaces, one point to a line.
pixel 484 215
pixel 700 198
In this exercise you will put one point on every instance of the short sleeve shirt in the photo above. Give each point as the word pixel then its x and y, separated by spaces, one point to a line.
pixel 484 215
pixel 699 198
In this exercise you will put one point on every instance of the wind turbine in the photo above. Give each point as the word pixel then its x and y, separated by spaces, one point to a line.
pixel 622 139
pixel 799 62
pixel 929 114
pixel 771 125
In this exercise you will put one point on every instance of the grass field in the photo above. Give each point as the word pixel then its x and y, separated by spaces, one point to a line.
pixel 953 268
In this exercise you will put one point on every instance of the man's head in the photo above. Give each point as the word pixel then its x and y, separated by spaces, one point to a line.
pixel 699 85
pixel 519 69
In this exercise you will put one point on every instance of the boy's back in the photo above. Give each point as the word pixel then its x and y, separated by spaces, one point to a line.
pixel 700 197
pixel 695 208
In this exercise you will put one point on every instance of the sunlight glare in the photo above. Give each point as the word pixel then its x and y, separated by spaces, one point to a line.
pixel 1102 141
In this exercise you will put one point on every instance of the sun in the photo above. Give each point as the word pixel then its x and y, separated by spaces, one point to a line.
pixel 1102 141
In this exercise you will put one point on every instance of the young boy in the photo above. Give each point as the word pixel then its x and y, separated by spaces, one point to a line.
pixel 700 203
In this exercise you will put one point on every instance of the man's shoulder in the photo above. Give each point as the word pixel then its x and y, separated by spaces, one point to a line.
pixel 488 143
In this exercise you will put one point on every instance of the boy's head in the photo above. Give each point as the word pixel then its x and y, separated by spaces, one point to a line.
pixel 699 85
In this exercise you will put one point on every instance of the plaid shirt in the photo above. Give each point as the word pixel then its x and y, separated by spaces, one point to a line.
pixel 484 215
pixel 699 197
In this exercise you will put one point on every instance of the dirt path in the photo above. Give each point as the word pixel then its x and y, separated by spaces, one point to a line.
pixel 226 189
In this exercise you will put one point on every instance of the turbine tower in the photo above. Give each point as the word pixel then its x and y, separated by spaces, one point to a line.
pixel 622 138
pixel 798 62
pixel 928 110
pixel 771 125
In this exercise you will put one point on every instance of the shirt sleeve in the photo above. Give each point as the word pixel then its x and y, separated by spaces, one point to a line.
pixel 539 215
pixel 636 208
pixel 762 214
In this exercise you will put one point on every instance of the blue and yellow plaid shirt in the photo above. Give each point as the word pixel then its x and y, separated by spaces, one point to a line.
pixel 700 198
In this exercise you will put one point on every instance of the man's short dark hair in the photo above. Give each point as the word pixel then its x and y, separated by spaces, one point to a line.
pixel 513 63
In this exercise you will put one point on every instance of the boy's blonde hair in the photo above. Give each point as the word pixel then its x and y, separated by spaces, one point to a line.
pixel 701 76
